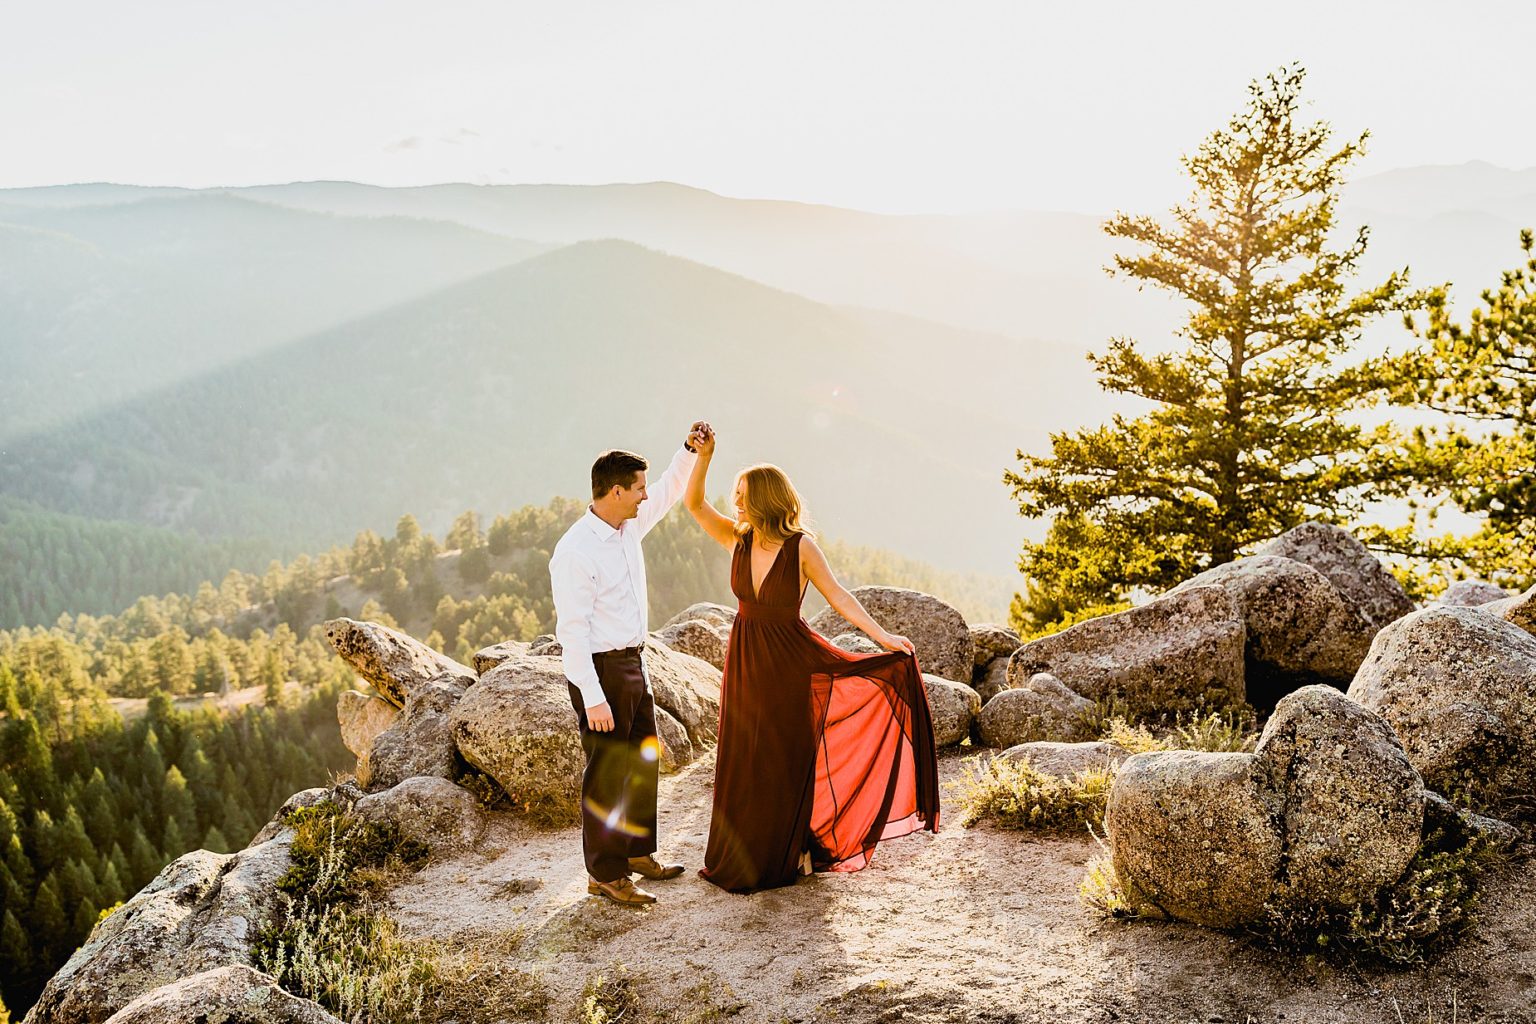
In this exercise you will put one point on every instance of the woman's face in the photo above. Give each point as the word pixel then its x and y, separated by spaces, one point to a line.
pixel 741 500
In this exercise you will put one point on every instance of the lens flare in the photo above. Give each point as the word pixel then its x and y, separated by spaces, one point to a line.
pixel 650 748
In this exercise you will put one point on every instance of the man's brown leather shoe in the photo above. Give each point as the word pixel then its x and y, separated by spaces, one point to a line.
pixel 622 891
pixel 649 867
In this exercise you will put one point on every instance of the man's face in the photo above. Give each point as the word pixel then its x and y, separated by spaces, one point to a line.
pixel 629 498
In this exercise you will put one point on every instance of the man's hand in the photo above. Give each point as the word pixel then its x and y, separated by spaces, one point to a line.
pixel 600 718
pixel 701 438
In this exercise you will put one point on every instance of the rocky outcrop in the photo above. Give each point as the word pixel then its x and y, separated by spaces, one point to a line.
pixel 954 707
pixel 517 725
pixel 433 811
pixel 1367 585
pixel 1459 687
pixel 198 914
pixel 1300 630
pixel 1471 594
pixel 362 716
pixel 1324 813
pixel 1067 760
pixel 991 642
pixel 397 665
pixel 487 658
pixel 236 994
pixel 1043 708
pixel 419 742
pixel 939 633
pixel 696 637
pixel 1177 652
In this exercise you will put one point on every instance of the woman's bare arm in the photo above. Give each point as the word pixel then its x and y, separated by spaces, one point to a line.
pixel 720 529
pixel 814 564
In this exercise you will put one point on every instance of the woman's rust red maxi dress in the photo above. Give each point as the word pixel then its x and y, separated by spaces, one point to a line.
pixel 819 749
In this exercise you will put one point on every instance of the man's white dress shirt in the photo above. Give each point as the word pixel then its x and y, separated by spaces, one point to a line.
pixel 597 574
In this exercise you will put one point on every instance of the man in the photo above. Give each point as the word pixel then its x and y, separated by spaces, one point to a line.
pixel 597 574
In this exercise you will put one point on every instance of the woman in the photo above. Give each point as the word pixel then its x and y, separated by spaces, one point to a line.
pixel 822 753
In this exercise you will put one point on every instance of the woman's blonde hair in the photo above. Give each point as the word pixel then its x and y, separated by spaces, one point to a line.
pixel 775 510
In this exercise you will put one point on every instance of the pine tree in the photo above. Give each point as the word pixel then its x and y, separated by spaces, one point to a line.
pixel 84 920
pixel 1248 434
pixel 15 949
pixel 46 919
pixel 1482 375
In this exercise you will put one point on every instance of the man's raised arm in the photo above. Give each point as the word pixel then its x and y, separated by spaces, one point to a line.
pixel 666 490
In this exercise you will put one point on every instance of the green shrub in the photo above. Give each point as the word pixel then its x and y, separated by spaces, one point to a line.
pixel 1015 794
pixel 1428 908
pixel 330 942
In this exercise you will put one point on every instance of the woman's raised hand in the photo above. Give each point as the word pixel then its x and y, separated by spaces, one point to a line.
pixel 702 438
pixel 892 642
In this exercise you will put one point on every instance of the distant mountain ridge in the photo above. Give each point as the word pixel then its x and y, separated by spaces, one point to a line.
pixel 498 391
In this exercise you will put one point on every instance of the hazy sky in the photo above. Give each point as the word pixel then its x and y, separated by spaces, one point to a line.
pixel 891 106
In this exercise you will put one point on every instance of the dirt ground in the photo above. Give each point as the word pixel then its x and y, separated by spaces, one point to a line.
pixel 969 925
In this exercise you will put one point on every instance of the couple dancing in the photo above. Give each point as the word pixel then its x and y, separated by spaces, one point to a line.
pixel 822 753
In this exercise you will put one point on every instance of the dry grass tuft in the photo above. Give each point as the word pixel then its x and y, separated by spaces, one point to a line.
pixel 1015 794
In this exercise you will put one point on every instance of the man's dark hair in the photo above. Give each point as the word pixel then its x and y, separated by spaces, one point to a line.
pixel 615 467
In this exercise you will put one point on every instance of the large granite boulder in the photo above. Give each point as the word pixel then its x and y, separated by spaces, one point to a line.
pixel 487 658
pixel 419 742
pixel 718 615
pixel 200 913
pixel 1325 813
pixel 1181 651
pixel 697 638
pixel 362 716
pixel 688 689
pixel 440 815
pixel 943 641
pixel 517 725
pixel 1300 629
pixel 236 994
pixel 954 707
pixel 992 642
pixel 1353 807
pixel 1044 708
pixel 1471 594
pixel 1459 687
pixel 1367 585
pixel 1519 609
pixel 1194 835
pixel 397 665
pixel 1067 760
